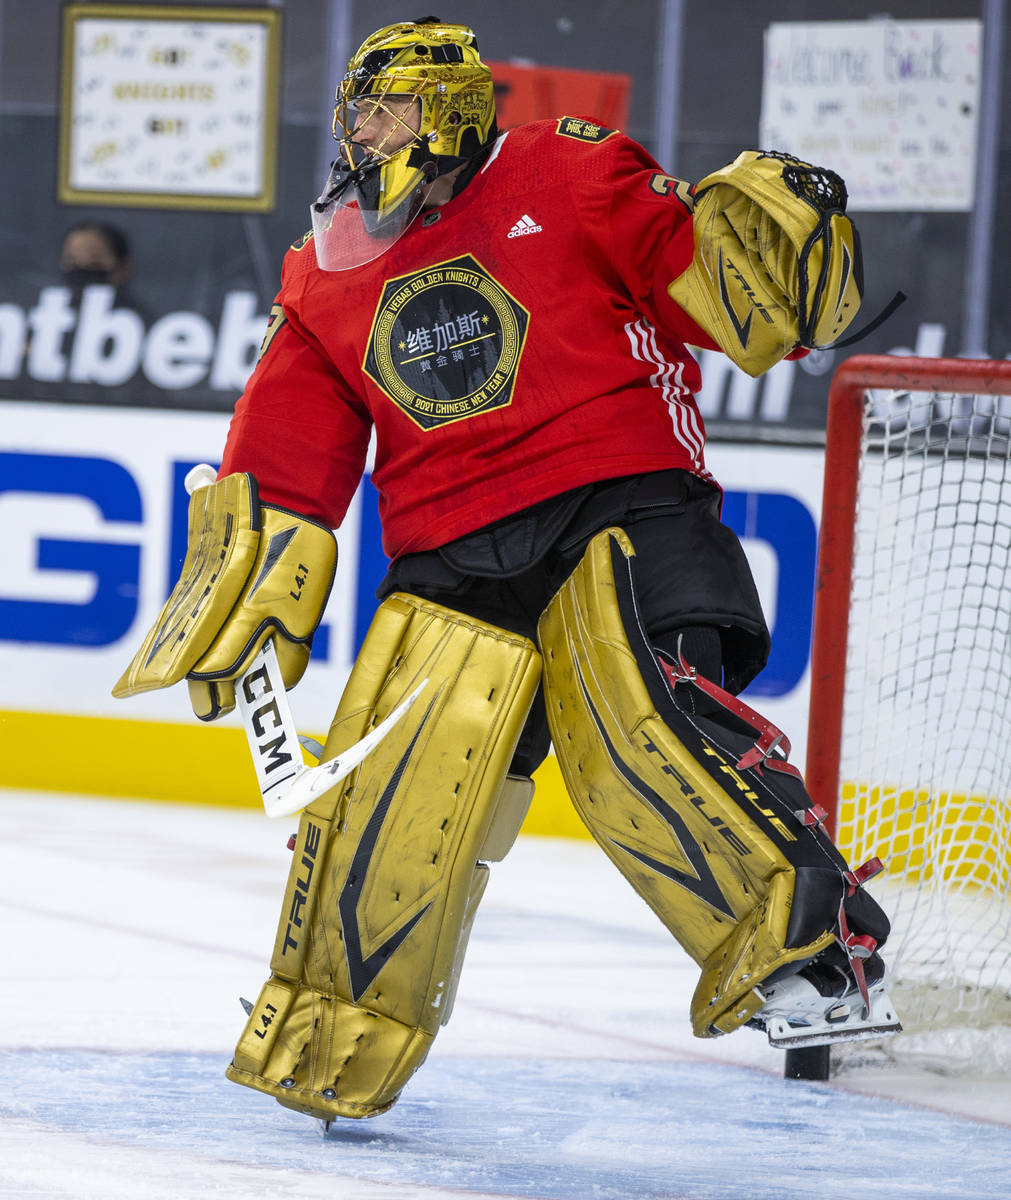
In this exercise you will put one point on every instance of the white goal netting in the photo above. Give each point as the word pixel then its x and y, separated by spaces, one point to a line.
pixel 925 755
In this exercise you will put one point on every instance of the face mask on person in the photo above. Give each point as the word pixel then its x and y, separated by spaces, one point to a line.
pixel 79 278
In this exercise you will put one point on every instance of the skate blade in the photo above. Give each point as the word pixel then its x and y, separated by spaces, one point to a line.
pixel 881 1022
pixel 788 1037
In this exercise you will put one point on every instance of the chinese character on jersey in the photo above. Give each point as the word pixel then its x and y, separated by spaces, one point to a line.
pixel 419 340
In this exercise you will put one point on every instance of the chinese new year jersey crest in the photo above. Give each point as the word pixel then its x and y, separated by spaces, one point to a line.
pixel 446 342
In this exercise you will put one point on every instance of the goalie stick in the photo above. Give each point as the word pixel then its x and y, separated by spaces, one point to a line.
pixel 286 783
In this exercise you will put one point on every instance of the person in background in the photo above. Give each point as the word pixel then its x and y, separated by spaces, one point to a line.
pixel 95 252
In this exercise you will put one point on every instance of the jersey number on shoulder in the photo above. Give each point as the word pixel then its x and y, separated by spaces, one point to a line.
pixel 274 322
pixel 667 185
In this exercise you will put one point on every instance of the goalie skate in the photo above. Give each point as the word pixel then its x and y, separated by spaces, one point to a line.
pixel 822 1003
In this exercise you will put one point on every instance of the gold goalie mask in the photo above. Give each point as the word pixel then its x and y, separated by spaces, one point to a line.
pixel 777 261
pixel 427 101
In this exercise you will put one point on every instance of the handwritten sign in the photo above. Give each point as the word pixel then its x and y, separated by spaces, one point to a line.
pixel 174 107
pixel 891 105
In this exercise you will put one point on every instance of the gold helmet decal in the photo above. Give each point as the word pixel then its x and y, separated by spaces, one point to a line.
pixel 416 102
pixel 434 62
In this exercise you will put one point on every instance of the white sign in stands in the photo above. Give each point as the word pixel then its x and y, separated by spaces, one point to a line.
pixel 167 106
pixel 892 106
pixel 286 783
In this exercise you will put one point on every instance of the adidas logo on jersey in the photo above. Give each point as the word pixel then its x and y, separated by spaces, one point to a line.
pixel 524 226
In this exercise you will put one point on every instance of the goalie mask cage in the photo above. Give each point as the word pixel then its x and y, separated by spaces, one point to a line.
pixel 909 736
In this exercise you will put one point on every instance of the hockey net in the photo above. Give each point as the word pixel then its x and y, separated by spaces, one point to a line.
pixel 910 725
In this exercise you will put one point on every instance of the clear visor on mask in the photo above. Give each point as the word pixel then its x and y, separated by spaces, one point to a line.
pixel 378 183
pixel 351 224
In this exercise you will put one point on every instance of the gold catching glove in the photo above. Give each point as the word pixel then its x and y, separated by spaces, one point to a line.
pixel 777 262
pixel 251 571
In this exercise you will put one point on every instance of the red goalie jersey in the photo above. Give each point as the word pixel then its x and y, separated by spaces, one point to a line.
pixel 517 342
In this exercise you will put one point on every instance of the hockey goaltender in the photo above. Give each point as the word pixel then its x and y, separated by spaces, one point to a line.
pixel 509 315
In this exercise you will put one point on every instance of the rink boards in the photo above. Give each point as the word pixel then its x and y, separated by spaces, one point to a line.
pixel 92 534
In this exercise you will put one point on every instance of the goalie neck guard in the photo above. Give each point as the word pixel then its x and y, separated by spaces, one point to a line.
pixel 422 88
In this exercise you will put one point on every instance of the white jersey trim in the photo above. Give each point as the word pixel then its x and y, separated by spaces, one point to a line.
pixel 667 379
pixel 495 149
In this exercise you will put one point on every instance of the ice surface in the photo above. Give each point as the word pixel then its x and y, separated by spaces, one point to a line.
pixel 568 1069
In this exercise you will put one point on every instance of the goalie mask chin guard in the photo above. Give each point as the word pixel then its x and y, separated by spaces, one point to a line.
pixel 416 102
pixel 350 227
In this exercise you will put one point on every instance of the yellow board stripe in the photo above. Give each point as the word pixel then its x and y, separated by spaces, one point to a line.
pixel 185 764
pixel 143 759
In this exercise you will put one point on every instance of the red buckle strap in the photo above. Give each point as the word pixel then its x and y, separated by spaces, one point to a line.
pixel 859 875
pixel 848 942
pixel 858 946
pixel 770 738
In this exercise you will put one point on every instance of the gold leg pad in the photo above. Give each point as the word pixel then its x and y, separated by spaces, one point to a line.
pixel 725 999
pixel 387 871
pixel 684 827
pixel 332 1059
